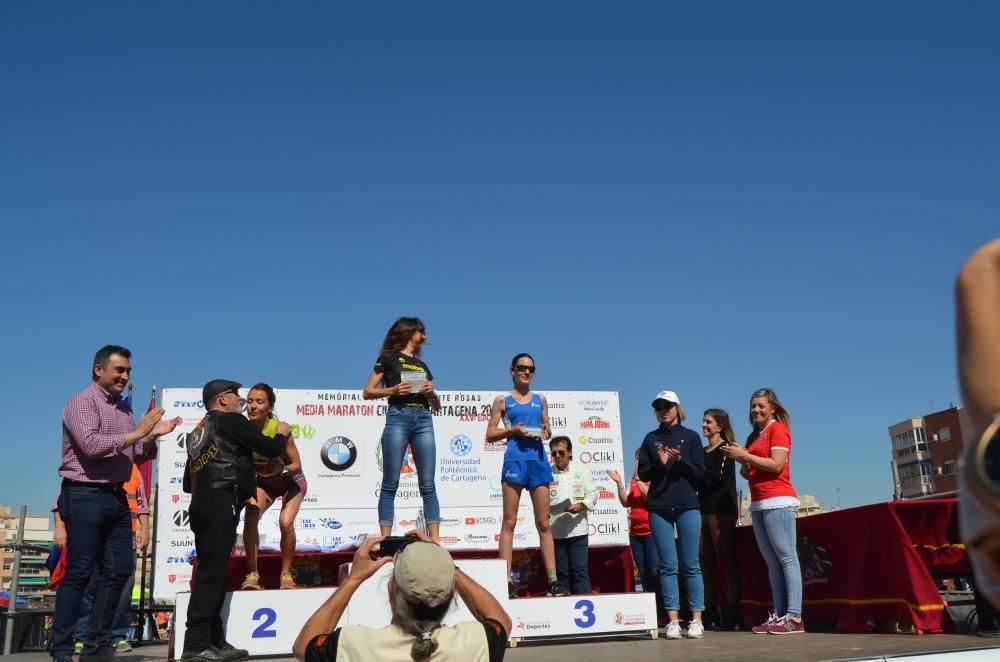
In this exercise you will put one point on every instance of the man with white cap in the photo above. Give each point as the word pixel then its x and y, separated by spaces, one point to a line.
pixel 424 581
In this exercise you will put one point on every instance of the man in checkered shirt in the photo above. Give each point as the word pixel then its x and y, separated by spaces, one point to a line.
pixel 100 442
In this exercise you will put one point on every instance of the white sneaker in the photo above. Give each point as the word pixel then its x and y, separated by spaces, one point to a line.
pixel 673 630
pixel 695 630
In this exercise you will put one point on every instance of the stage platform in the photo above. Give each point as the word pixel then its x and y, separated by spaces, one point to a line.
pixel 717 646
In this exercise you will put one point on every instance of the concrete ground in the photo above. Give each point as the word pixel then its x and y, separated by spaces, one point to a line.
pixel 723 646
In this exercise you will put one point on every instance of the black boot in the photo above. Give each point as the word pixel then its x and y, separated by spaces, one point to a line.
pixel 710 618
pixel 732 618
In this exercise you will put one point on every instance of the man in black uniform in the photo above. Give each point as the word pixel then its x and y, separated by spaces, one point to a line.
pixel 220 476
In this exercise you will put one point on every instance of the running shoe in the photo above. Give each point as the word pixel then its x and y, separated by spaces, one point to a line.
pixel 251 583
pixel 556 589
pixel 77 648
pixel 673 630
pixel 764 627
pixel 695 630
pixel 287 581
pixel 122 646
pixel 787 625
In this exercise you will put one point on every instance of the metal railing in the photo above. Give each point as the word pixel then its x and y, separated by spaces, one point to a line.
pixel 8 635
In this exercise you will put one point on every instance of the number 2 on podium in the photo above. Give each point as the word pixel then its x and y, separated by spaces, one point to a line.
pixel 264 630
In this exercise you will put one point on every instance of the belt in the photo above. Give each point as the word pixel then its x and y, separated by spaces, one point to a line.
pixel 104 487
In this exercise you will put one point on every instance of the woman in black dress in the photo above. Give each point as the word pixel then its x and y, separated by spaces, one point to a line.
pixel 719 510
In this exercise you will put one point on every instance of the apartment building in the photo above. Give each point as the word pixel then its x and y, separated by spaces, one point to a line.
pixel 925 453
pixel 34 576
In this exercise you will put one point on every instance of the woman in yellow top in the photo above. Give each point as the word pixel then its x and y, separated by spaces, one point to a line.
pixel 277 478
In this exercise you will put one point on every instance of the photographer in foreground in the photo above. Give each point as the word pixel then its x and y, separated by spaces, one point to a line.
pixel 977 302
pixel 424 581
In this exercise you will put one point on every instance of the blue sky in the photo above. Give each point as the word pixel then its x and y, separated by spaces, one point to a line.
pixel 707 197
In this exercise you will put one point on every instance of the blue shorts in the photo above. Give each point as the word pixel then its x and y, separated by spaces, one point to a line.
pixel 529 473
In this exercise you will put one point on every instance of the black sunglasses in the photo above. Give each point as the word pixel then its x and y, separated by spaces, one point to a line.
pixel 525 368
pixel 559 453
pixel 663 406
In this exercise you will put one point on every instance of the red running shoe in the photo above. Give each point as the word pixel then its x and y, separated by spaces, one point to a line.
pixel 764 627
pixel 787 625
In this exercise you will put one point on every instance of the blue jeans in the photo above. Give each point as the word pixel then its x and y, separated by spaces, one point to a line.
pixel 648 561
pixel 413 426
pixel 688 523
pixel 123 612
pixel 571 564
pixel 775 533
pixel 99 535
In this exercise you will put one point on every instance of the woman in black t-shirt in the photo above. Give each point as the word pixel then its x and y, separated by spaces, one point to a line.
pixel 400 375
pixel 718 520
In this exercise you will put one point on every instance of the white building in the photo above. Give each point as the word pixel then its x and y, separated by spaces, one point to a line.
pixel 912 472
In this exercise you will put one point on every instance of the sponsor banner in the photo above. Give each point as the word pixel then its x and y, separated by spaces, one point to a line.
pixel 338 436
pixel 582 614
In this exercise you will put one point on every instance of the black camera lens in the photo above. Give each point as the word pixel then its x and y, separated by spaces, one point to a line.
pixel 991 459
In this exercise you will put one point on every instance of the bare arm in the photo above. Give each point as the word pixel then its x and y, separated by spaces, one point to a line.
pixel 643 487
pixel 622 496
pixel 773 464
pixel 480 602
pixel 326 618
pixel 293 461
pixel 59 533
pixel 373 392
pixel 546 428
pixel 493 431
pixel 142 531
pixel 977 299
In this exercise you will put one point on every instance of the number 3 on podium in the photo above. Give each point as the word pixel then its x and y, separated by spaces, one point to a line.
pixel 267 616
pixel 587 617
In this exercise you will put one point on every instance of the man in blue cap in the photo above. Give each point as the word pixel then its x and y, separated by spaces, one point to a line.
pixel 220 476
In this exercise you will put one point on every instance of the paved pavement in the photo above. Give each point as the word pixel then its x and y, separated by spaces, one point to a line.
pixel 716 646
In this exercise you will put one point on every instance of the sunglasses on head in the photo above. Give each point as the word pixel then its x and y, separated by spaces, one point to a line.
pixel 525 368
pixel 663 406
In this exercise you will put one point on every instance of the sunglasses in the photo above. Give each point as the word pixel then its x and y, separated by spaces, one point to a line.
pixel 243 401
pixel 525 368
pixel 559 453
pixel 663 406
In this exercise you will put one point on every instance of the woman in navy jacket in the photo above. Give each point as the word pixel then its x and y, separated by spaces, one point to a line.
pixel 672 460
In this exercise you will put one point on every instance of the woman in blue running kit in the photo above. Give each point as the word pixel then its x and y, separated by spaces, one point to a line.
pixel 525 463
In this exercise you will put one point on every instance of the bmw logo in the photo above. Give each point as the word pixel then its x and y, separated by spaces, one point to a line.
pixel 338 453
pixel 461 445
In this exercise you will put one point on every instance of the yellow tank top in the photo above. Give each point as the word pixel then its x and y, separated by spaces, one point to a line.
pixel 268 466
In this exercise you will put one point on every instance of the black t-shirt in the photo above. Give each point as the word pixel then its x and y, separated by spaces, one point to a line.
pixel 391 365
pixel 718 484
pixel 323 648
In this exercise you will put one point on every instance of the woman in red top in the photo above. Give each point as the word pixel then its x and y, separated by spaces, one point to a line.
pixel 640 538
pixel 773 506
